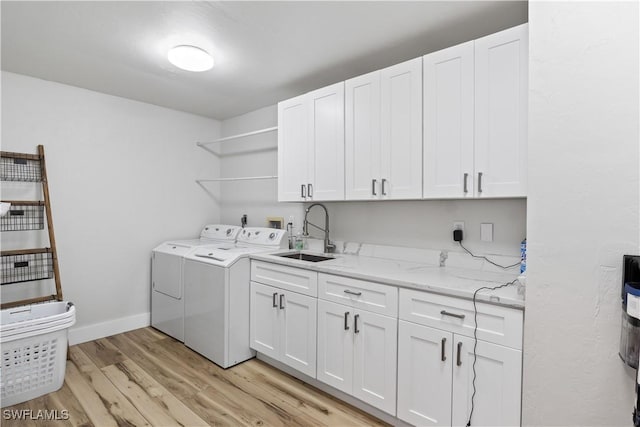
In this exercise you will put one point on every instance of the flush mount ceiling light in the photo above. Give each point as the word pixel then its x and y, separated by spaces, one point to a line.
pixel 190 58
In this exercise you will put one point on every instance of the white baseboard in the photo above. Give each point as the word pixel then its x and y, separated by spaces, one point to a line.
pixel 78 335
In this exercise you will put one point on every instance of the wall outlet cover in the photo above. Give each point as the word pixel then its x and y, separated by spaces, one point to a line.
pixel 458 225
pixel 486 232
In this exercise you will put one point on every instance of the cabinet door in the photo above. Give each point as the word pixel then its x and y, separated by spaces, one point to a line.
pixel 501 81
pixel 335 345
pixel 401 126
pixel 498 384
pixel 425 360
pixel 448 122
pixel 298 331
pixel 362 137
pixel 375 358
pixel 264 332
pixel 326 143
pixel 293 152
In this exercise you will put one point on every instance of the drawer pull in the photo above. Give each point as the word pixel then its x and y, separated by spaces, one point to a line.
pixel 442 356
pixel 459 361
pixel 282 301
pixel 303 195
pixel 347 291
pixel 275 303
pixel 346 320
pixel 355 324
pixel 466 190
pixel 446 313
pixel 373 187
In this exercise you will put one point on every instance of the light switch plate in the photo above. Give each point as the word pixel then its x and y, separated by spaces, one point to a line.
pixel 486 232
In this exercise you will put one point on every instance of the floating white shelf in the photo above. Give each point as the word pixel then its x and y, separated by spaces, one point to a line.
pixel 241 178
pixel 241 135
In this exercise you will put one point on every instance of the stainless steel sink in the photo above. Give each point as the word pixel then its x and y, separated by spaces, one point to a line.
pixel 305 257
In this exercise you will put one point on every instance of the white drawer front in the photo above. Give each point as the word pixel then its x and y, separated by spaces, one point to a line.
pixel 496 324
pixel 284 277
pixel 369 296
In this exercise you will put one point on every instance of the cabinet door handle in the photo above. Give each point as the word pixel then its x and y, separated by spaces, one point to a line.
pixel 459 361
pixel 355 324
pixel 466 176
pixel 346 320
pixel 310 190
pixel 479 182
pixel 442 356
pixel 275 303
pixel 302 191
pixel 373 187
pixel 446 313
pixel 347 291
pixel 384 192
pixel 281 301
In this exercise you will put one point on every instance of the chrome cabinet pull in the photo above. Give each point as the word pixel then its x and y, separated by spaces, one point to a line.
pixel 281 301
pixel 479 182
pixel 459 361
pixel 310 190
pixel 346 320
pixel 446 313
pixel 466 176
pixel 302 191
pixel 355 324
pixel 275 303
pixel 442 356
pixel 373 187
pixel 384 181
pixel 347 291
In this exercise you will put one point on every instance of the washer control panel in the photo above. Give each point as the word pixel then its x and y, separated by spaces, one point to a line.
pixel 220 232
pixel 262 236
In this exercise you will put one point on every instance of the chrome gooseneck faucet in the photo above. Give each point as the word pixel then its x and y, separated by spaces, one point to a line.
pixel 328 246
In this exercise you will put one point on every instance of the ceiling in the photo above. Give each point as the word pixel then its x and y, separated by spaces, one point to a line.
pixel 264 51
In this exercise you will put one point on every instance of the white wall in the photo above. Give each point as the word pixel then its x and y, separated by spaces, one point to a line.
pixel 253 156
pixel 583 210
pixel 121 177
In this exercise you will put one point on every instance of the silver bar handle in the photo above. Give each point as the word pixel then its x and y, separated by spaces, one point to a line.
pixel 384 192
pixel 350 292
pixel 355 324
pixel 275 303
pixel 446 313
pixel 459 361
pixel 302 191
pixel 479 182
pixel 466 177
pixel 373 187
pixel 310 190
pixel 281 301
pixel 442 355
pixel 346 320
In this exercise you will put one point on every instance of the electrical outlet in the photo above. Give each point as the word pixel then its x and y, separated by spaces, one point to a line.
pixel 458 225
pixel 486 232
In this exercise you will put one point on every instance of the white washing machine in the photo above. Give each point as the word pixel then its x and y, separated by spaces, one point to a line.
pixel 216 287
pixel 167 285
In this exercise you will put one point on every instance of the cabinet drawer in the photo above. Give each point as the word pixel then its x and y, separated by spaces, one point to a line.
pixel 283 277
pixel 500 325
pixel 361 294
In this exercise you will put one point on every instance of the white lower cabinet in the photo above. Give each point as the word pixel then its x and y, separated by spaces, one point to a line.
pixel 357 353
pixel 283 326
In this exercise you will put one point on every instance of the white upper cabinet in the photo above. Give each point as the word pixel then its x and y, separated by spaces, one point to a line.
pixel 448 122
pixel 293 150
pixel 311 146
pixel 501 86
pixel 475 118
pixel 362 137
pixel 383 143
pixel 401 130
pixel 326 143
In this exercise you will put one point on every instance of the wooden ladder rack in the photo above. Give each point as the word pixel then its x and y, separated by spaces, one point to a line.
pixel 28 265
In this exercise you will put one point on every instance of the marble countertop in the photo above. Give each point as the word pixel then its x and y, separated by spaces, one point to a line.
pixel 450 280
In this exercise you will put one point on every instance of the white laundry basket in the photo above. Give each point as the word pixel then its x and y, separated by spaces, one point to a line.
pixel 33 342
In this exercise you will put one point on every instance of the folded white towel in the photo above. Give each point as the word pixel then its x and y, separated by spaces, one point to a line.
pixel 4 208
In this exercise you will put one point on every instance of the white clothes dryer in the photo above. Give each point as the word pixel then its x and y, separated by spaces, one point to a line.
pixel 167 285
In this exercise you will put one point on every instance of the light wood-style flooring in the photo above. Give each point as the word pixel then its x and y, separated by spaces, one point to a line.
pixel 143 377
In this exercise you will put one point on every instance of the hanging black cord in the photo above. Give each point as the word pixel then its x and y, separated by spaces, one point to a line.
pixel 475 336
pixel 487 259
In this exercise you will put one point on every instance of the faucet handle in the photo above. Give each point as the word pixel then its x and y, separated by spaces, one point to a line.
pixel 331 248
